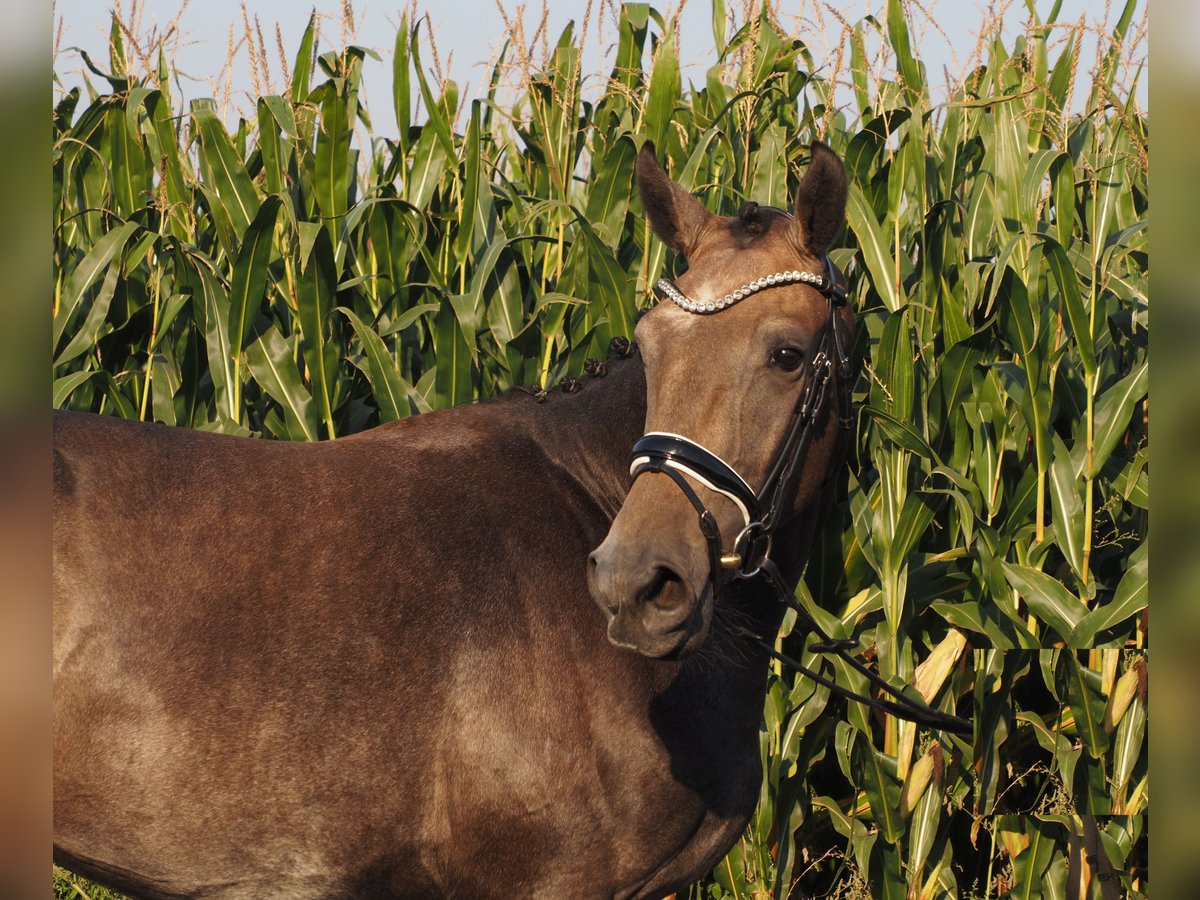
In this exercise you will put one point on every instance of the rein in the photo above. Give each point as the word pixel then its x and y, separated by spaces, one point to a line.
pixel 677 456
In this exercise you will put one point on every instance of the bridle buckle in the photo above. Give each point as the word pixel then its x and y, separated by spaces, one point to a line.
pixel 750 548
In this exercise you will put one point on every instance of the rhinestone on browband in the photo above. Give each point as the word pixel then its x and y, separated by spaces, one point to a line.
pixel 676 296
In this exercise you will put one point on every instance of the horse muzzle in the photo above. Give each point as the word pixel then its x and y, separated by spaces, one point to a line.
pixel 650 607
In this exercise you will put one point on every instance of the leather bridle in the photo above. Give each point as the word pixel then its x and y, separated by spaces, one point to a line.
pixel 677 456
pixel 681 458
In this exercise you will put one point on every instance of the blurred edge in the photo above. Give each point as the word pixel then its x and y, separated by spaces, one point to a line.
pixel 1175 374
pixel 25 759
pixel 24 449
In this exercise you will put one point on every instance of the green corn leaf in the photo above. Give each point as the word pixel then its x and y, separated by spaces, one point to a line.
pixel 408 317
pixel 876 255
pixel 1110 184
pixel 900 431
pixel 437 110
pixel 505 312
pixel 1018 315
pixel 98 259
pixel 1060 76
pixel 1031 863
pixel 892 390
pixel 316 286
pixel 1132 596
pixel 1068 506
pixel 663 94
pixel 116 48
pixel 923 829
pixel 401 85
pixel 121 404
pixel 1068 291
pixel 303 65
pixel 608 282
pixel 281 111
pixel 225 376
pixel 233 185
pixel 1113 410
pixel 882 786
pixel 471 221
pixel 1047 598
pixel 770 169
pixel 216 211
pixel 956 368
pixel 389 389
pixel 915 517
pixel 333 159
pixel 1062 176
pixel 1087 704
pixel 861 156
pixel 270 361
pixel 719 26
pixel 166 385
pixel 1032 183
pixel 859 69
pixel 88 330
pixel 271 148
pixel 129 165
pixel 429 165
pixel 910 69
pixel 452 383
pixel 608 198
pixel 249 280
pixel 886 872
pixel 982 221
pixel 173 161
pixel 1128 746
pixel 63 387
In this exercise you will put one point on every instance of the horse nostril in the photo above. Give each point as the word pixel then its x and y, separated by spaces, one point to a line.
pixel 663 588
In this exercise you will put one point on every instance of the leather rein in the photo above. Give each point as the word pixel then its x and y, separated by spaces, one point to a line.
pixel 681 458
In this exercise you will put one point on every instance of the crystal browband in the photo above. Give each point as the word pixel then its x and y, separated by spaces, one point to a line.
pixel 667 288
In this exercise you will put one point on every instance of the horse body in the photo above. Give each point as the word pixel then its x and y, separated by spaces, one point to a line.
pixel 371 667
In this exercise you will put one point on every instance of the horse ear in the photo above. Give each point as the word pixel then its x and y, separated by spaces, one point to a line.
pixel 675 215
pixel 820 202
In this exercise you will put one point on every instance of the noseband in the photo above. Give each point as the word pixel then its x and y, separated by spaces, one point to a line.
pixel 680 458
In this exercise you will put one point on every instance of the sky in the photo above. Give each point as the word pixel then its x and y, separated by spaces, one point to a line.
pixel 468 34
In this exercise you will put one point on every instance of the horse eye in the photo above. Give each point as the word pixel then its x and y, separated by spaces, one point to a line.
pixel 787 358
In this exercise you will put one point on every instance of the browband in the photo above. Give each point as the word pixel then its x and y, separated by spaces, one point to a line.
pixel 830 284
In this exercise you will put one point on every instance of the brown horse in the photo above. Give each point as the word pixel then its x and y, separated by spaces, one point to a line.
pixel 371 667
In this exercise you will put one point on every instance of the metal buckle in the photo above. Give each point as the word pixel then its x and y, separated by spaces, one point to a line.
pixel 819 374
pixel 752 546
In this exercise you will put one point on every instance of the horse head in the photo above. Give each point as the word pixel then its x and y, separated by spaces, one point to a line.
pixel 743 367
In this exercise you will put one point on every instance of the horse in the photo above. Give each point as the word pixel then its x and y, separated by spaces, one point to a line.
pixel 461 654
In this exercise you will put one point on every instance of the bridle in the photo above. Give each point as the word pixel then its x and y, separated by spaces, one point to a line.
pixel 677 456
pixel 681 458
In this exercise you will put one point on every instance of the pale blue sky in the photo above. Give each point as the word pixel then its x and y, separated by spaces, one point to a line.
pixel 473 30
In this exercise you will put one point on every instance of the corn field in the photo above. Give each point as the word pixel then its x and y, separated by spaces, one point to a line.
pixel 296 275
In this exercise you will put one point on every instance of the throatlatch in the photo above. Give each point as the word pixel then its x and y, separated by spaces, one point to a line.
pixel 677 456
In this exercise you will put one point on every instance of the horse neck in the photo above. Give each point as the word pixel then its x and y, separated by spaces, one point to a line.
pixel 589 434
